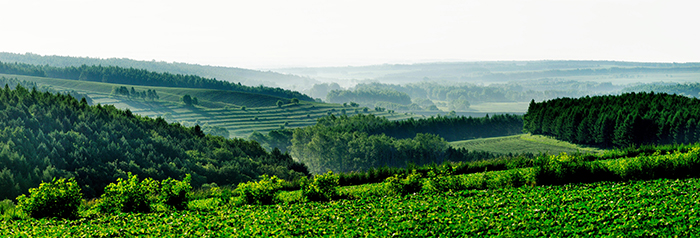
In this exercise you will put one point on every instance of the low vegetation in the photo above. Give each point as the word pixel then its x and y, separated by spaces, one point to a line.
pixel 524 143
pixel 643 194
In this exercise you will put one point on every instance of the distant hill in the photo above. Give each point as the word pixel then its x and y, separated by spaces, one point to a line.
pixel 488 71
pixel 230 74
pixel 133 76
pixel 240 113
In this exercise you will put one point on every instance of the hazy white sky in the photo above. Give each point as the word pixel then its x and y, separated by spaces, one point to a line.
pixel 261 34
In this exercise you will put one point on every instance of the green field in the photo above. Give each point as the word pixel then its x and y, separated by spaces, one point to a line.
pixel 216 107
pixel 497 203
pixel 525 143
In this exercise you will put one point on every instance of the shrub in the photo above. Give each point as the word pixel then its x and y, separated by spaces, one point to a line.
pixel 403 186
pixel 323 187
pixel 438 183
pixel 58 198
pixel 175 193
pixel 6 205
pixel 129 195
pixel 260 192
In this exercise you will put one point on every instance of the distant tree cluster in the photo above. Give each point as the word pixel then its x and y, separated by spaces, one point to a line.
pixel 459 96
pixel 321 90
pixel 368 96
pixel 189 100
pixel 360 142
pixel 14 82
pixel 687 89
pixel 44 135
pixel 124 91
pixel 452 128
pixel 132 76
pixel 618 121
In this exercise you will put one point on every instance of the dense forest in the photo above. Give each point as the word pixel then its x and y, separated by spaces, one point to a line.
pixel 45 135
pixel 132 76
pixel 617 121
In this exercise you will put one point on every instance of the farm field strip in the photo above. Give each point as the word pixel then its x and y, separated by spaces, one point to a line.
pixel 661 207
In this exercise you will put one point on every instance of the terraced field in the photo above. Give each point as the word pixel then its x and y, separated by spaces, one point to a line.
pixel 216 107
pixel 524 143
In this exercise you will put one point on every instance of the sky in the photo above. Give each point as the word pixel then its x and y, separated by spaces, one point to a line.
pixel 265 34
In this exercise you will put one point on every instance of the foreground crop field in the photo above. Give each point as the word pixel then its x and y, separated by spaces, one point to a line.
pixel 661 207
pixel 524 143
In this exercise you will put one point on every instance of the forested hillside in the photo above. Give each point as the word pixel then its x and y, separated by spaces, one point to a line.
pixel 622 120
pixel 231 74
pixel 44 135
pixel 132 76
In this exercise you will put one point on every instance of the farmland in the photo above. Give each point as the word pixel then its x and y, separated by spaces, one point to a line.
pixel 496 203
pixel 639 208
pixel 216 107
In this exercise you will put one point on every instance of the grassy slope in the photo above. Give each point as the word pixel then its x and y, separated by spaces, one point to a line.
pixel 524 143
pixel 212 106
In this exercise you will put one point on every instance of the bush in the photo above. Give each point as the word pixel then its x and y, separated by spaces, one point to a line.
pixel 175 193
pixel 260 192
pixel 129 195
pixel 403 186
pixel 323 187
pixel 6 205
pixel 438 183
pixel 59 198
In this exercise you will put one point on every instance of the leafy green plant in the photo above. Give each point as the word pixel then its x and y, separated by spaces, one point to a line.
pixel 6 205
pixel 59 198
pixel 323 187
pixel 129 195
pixel 410 184
pixel 175 193
pixel 260 192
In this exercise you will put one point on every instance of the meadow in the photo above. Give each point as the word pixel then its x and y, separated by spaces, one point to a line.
pixel 524 143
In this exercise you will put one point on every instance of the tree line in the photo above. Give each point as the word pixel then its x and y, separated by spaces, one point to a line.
pixel 368 96
pixel 132 76
pixel 45 135
pixel 360 142
pixel 124 91
pixel 451 128
pixel 686 89
pixel 617 120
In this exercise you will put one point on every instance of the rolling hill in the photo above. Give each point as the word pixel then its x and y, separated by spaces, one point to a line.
pixel 216 107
